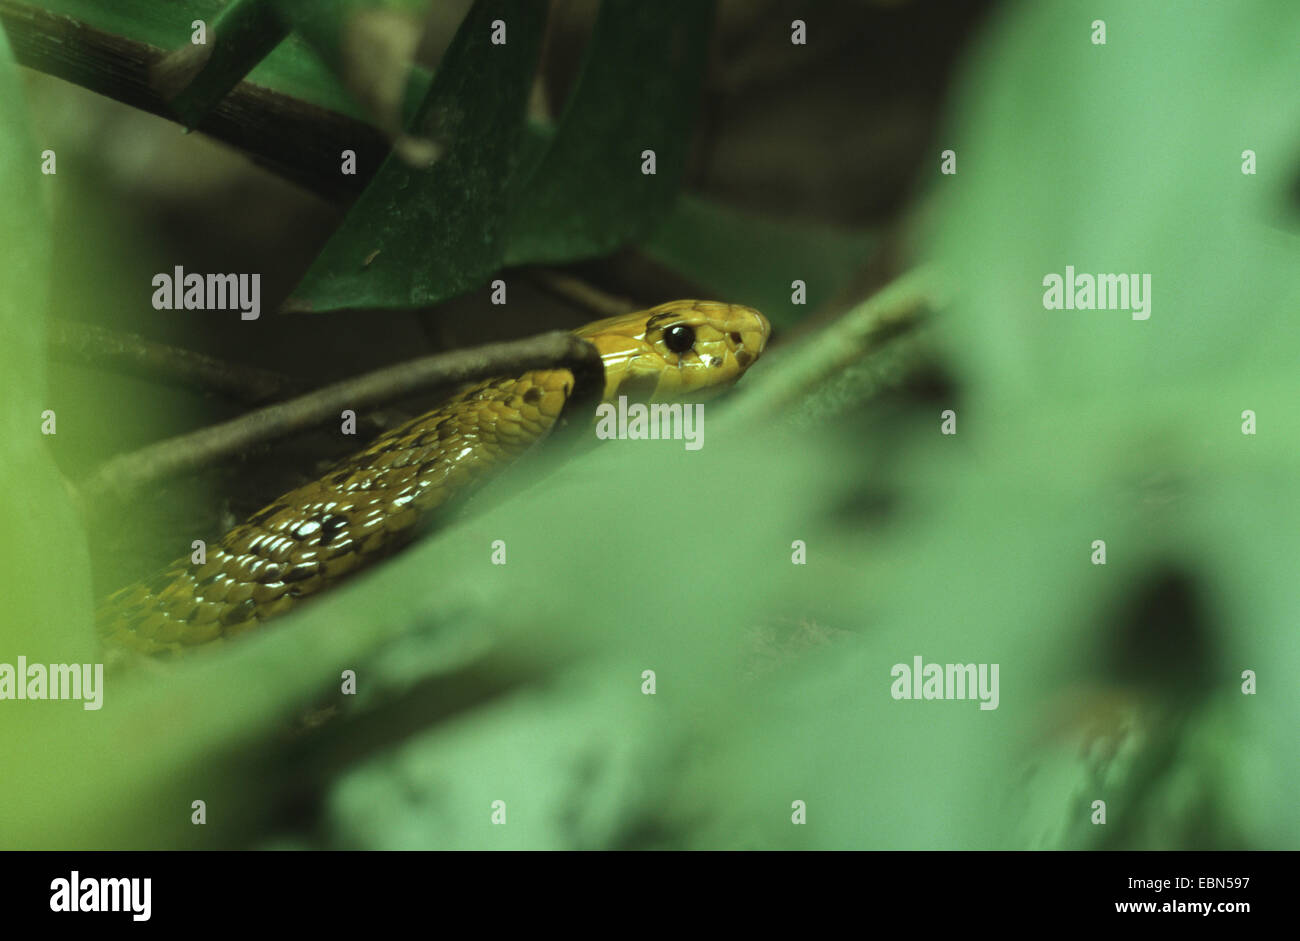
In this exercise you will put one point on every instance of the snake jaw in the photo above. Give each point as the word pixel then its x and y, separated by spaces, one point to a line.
pixel 727 340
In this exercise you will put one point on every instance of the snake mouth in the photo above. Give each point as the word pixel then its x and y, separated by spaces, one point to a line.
pixel 764 329
pixel 748 342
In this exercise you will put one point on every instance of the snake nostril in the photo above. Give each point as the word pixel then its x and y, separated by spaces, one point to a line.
pixel 736 338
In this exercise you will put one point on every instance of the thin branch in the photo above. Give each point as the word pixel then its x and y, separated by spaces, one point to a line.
pixel 894 312
pixel 299 141
pixel 578 292
pixel 122 475
pixel 132 354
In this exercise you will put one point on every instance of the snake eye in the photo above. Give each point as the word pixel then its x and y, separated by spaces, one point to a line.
pixel 679 338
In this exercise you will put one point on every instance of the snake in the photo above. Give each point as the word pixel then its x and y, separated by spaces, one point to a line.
pixel 370 504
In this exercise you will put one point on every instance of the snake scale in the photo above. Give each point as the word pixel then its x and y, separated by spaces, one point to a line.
pixel 370 504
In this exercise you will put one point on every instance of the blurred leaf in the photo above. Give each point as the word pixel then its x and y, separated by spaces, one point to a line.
pixel 369 44
pixel 43 561
pixel 1249 539
pixel 1134 427
pixel 1042 185
pixel 638 90
pixel 42 549
pixel 417 236
pixel 573 761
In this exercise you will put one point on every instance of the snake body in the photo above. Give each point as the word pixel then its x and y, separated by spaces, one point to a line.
pixel 369 504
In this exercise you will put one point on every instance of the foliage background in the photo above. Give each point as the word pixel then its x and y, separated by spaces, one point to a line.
pixel 522 683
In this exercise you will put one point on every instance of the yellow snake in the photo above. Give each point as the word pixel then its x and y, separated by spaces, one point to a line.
pixel 367 505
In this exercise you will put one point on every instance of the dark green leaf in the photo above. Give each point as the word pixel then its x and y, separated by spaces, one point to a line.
pixel 417 236
pixel 638 90
pixel 293 68
pixel 196 77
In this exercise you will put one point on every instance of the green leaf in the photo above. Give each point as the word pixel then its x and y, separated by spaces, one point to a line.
pixel 437 789
pixel 1123 158
pixel 42 549
pixel 638 90
pixel 44 566
pixel 418 236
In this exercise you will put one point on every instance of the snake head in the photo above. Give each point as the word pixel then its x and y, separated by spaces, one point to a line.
pixel 679 350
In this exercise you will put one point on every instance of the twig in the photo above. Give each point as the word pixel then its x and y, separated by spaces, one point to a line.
pixel 134 355
pixel 297 140
pixel 126 473
pixel 895 311
pixel 573 289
